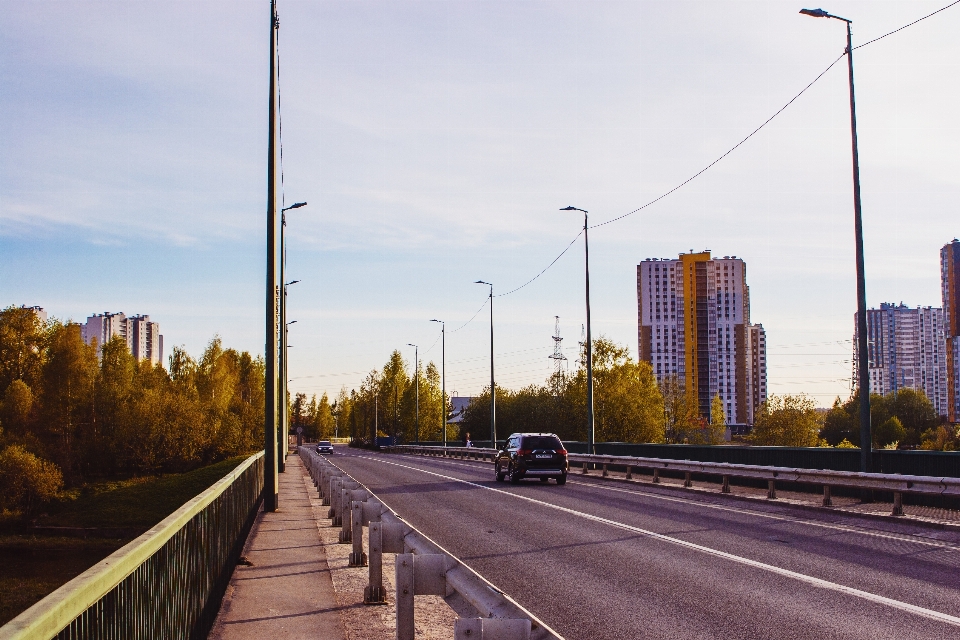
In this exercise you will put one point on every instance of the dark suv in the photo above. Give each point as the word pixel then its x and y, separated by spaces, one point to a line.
pixel 534 455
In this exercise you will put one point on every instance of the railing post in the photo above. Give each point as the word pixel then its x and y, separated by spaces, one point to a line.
pixel 584 472
pixel 687 480
pixel 726 485
pixel 373 593
pixel 629 475
pixel 405 592
pixel 358 558
pixel 605 474
pixel 827 501
pixel 897 504
pixel 771 490
pixel 656 476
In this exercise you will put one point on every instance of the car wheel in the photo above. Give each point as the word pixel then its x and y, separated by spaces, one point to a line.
pixel 562 479
pixel 500 474
pixel 514 476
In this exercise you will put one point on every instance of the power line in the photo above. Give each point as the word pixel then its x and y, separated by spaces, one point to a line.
pixel 731 149
pixel 908 25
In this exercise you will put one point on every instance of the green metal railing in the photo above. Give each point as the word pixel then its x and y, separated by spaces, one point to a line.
pixel 168 583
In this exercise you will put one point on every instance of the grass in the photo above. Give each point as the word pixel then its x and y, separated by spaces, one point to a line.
pixel 32 566
pixel 139 503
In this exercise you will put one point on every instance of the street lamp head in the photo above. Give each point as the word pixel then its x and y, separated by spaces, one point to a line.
pixel 435 320
pixel 292 322
pixel 295 206
pixel 815 13
pixel 410 344
pixel 482 282
pixel 574 209
pixel 291 282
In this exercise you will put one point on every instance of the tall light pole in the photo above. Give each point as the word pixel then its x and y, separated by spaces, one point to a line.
pixel 586 263
pixel 493 386
pixel 416 371
pixel 285 416
pixel 270 497
pixel 863 361
pixel 284 411
pixel 443 379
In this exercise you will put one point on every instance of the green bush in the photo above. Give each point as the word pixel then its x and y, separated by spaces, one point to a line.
pixel 26 481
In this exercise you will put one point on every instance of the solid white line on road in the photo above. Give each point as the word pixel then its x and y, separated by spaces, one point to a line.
pixel 817 582
pixel 908 538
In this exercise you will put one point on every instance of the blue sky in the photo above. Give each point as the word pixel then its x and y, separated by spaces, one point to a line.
pixel 435 143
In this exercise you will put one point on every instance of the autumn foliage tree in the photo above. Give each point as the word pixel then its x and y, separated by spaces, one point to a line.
pixel 78 411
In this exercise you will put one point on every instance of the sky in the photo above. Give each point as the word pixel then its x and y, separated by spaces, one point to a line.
pixel 435 143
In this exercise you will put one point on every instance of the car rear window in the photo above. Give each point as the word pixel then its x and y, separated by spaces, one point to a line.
pixel 324 443
pixel 541 442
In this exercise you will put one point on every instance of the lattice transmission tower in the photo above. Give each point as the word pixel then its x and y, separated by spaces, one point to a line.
pixel 559 372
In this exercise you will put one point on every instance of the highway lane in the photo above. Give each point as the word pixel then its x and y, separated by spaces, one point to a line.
pixel 596 559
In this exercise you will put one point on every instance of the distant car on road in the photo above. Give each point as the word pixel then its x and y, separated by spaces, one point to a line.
pixel 534 455
pixel 325 446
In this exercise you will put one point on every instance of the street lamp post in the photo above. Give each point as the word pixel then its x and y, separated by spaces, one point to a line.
pixel 586 253
pixel 863 361
pixel 443 379
pixel 416 371
pixel 493 387
pixel 270 497
pixel 284 409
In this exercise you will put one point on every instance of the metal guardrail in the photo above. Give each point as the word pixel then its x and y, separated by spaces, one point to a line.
pixel 168 583
pixel 892 483
pixel 422 566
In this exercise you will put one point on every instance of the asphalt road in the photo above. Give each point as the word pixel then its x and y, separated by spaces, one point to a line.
pixel 597 559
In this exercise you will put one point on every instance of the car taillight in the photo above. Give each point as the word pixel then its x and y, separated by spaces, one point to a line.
pixel 562 452
pixel 524 452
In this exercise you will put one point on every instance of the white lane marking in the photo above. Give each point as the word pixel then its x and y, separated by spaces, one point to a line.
pixel 904 537
pixel 817 582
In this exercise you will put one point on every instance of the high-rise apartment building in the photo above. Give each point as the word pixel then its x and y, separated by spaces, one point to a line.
pixel 905 351
pixel 950 286
pixel 142 336
pixel 694 324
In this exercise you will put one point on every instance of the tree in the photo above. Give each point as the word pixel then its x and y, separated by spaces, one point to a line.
pixel 787 421
pixel 714 431
pixel 17 407
pixel 26 481
pixel 23 339
pixel 679 411
pixel 628 405
pixel 891 431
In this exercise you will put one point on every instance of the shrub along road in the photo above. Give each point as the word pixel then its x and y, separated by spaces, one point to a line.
pixel 606 559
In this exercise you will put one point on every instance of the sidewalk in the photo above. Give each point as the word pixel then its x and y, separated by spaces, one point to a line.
pixel 287 591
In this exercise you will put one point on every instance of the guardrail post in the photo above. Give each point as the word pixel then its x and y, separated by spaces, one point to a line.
pixel 771 490
pixel 584 472
pixel 373 592
pixel 358 558
pixel 605 474
pixel 827 501
pixel 405 592
pixel 726 485
pixel 629 475
pixel 656 476
pixel 897 504
pixel 335 483
pixel 687 480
